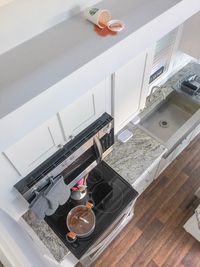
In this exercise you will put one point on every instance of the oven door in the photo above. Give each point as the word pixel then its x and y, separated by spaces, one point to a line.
pixel 102 243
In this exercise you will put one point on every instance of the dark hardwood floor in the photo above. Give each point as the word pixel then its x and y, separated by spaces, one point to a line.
pixel 155 237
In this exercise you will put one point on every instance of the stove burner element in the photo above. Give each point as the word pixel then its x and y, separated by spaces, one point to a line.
pixel 107 198
pixel 95 177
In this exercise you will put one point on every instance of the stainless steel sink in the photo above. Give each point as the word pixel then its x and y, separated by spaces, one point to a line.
pixel 166 118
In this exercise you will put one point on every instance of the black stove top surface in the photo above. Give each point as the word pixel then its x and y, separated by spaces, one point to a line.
pixel 110 194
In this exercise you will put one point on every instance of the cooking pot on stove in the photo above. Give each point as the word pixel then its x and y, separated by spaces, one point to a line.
pixel 80 221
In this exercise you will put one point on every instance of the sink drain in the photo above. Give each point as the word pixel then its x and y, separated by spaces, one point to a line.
pixel 164 124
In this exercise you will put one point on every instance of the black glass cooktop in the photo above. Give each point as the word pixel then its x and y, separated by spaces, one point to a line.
pixel 110 194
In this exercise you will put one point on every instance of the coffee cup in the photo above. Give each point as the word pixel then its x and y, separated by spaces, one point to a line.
pixel 99 17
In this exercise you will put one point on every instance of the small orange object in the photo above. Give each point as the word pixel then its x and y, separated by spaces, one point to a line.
pixel 89 205
pixel 72 235
pixel 104 32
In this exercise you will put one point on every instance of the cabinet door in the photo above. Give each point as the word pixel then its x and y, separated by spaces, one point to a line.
pixel 191 226
pixel 85 110
pixel 127 90
pixel 190 40
pixel 164 163
pixel 140 184
pixel 35 147
pixel 147 177
pixel 182 146
pixel 195 132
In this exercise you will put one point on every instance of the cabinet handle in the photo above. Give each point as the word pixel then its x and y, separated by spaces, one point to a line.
pixel 71 137
pixel 99 148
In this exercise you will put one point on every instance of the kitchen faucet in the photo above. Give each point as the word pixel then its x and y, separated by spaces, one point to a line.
pixel 156 87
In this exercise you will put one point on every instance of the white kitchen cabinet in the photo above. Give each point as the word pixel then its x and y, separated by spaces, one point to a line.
pixel 180 148
pixel 130 88
pixel 191 226
pixel 195 132
pixel 183 145
pixel 86 110
pixel 190 39
pixel 164 163
pixel 147 177
pixel 34 148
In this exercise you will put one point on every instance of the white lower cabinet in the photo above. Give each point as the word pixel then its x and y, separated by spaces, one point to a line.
pixel 195 132
pixel 191 226
pixel 164 163
pixel 182 145
pixel 36 147
pixel 86 110
pixel 147 177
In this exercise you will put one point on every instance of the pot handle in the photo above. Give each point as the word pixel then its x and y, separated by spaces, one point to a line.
pixel 71 237
pixel 89 205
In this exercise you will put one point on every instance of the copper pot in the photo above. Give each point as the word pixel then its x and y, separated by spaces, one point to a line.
pixel 80 221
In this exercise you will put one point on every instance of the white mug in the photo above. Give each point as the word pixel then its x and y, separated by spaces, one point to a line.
pixel 100 17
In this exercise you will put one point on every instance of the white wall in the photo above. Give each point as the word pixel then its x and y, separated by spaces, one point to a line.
pixel 20 20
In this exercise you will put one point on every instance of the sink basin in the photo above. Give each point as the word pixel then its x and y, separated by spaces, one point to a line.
pixel 166 118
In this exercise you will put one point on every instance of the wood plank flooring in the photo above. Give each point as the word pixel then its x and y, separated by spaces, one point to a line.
pixel 155 237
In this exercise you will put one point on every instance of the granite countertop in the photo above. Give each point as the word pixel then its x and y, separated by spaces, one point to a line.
pixel 46 235
pixel 130 160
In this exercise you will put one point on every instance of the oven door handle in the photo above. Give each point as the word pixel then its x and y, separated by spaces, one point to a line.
pixel 110 236
pixel 98 148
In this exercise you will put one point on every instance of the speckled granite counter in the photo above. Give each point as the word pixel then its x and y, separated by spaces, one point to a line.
pixel 130 160
pixel 47 236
